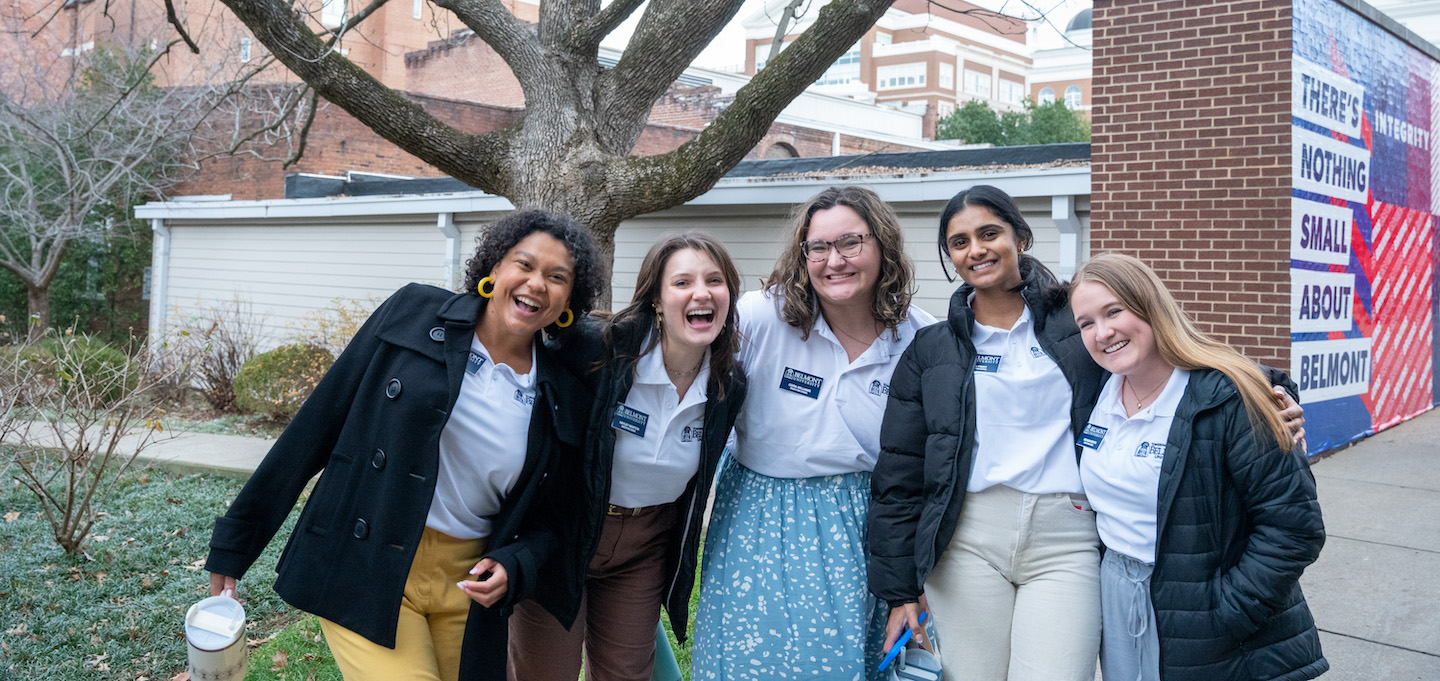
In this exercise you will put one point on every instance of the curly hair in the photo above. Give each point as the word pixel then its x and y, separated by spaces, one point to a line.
pixel 648 285
pixel 791 276
pixel 497 240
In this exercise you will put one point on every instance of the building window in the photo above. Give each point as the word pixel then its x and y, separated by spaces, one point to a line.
pixel 417 10
pixel 977 83
pixel 1011 92
pixel 1047 95
pixel 1072 97
pixel 945 108
pixel 332 13
pixel 781 150
pixel 883 38
pixel 762 53
pixel 845 70
pixel 245 50
pixel 77 50
pixel 900 76
pixel 947 76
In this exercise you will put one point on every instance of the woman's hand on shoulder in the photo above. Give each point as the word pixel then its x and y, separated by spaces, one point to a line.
pixel 490 584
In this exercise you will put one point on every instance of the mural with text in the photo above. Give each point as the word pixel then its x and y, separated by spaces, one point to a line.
pixel 1363 227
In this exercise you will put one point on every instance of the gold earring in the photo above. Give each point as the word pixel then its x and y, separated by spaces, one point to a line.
pixel 480 288
pixel 568 316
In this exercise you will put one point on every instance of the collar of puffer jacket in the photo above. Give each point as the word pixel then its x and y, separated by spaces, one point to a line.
pixel 1038 286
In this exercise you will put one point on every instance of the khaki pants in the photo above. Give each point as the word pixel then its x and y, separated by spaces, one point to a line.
pixel 432 619
pixel 618 613
pixel 1016 595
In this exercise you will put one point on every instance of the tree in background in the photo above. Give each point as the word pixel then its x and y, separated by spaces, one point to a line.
pixel 977 123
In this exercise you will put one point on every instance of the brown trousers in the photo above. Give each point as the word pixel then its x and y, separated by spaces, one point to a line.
pixel 618 611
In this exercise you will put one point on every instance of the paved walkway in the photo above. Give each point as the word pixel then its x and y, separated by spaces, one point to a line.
pixel 1375 591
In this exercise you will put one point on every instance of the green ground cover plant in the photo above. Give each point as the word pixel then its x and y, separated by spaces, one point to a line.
pixel 116 611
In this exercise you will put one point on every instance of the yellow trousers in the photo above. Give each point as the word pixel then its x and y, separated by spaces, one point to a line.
pixel 432 619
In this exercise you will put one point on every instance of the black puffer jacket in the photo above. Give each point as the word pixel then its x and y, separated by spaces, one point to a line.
pixel 1238 523
pixel 928 435
pixel 611 382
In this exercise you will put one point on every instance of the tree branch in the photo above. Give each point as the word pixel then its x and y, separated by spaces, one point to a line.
pixel 650 183
pixel 511 38
pixel 606 21
pixel 304 132
pixel 174 19
pixel 671 34
pixel 478 160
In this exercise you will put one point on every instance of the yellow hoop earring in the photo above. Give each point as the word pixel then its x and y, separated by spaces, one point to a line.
pixel 568 316
pixel 480 288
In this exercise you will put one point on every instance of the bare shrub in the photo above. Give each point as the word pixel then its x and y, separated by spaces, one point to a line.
pixel 213 345
pixel 333 327
pixel 79 413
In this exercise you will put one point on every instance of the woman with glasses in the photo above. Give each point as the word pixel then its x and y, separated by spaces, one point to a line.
pixel 979 505
pixel 783 579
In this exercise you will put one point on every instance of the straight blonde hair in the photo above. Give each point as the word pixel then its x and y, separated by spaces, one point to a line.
pixel 1180 343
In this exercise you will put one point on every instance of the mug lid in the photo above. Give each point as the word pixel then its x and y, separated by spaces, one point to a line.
pixel 214 623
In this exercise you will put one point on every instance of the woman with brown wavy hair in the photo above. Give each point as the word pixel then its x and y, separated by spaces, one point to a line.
pixel 783 583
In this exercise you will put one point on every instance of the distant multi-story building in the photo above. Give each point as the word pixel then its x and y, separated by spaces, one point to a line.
pixel 931 57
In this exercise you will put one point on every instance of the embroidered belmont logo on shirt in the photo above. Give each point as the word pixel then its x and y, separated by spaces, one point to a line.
pixel 801 383
pixel 472 365
pixel 878 388
pixel 527 399
pixel 1037 353
pixel 1092 436
pixel 1153 450
pixel 987 364
pixel 692 433
pixel 629 420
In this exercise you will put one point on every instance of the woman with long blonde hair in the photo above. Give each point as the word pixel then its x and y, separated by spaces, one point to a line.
pixel 1206 509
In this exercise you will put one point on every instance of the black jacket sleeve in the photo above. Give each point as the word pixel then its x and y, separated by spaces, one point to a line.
pixel 301 451
pixel 897 487
pixel 1277 490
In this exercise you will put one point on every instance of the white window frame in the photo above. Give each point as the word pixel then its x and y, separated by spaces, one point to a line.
pixel 844 71
pixel 762 53
pixel 900 76
pixel 1047 95
pixel 979 84
pixel 1011 92
pixel 1074 99
pixel 332 13
pixel 947 76
pixel 418 10
pixel 943 108
pixel 245 50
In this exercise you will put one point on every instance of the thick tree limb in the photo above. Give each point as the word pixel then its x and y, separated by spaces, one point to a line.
pixel 651 183
pixel 478 160
pixel 606 21
pixel 174 19
pixel 671 34
pixel 511 38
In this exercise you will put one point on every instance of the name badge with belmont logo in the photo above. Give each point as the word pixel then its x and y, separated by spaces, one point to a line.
pixel 472 365
pixel 629 420
pixel 987 364
pixel 801 383
pixel 1092 436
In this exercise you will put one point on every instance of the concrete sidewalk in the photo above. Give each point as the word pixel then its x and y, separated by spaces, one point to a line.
pixel 1375 591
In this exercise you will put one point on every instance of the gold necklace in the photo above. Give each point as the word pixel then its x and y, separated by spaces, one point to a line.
pixel 857 340
pixel 1140 401
pixel 682 374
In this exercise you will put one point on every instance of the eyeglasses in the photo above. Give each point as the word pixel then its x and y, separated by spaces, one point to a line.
pixel 818 250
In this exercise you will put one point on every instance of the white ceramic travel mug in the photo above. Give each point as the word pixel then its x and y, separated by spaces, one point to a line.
pixel 215 636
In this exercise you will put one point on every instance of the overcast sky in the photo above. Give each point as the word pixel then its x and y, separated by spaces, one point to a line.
pixel 728 49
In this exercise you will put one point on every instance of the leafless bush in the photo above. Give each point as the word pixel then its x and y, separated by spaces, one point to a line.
pixel 213 345
pixel 333 327
pixel 79 413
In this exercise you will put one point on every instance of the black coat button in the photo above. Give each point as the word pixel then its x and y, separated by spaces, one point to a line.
pixel 392 390
pixel 437 334
pixel 362 529
pixel 378 461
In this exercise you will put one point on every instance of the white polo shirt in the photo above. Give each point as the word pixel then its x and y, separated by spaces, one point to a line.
pixel 657 434
pixel 810 411
pixel 1121 465
pixel 482 447
pixel 1022 414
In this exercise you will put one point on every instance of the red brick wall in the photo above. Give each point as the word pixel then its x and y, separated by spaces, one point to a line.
pixel 1191 158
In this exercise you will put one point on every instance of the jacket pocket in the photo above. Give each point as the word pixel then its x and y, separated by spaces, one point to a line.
pixel 331 495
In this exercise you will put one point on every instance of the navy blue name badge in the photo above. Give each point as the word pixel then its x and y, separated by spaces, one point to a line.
pixel 629 420
pixel 1092 436
pixel 801 383
pixel 472 365
pixel 987 364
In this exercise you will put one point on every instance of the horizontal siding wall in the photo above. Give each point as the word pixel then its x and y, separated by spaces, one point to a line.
pixel 286 270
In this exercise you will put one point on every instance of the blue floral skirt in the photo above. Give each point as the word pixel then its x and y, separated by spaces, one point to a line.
pixel 783 593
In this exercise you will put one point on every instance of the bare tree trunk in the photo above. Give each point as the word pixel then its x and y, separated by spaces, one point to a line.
pixel 38 299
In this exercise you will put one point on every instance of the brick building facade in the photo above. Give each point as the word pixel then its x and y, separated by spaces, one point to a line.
pixel 1192 159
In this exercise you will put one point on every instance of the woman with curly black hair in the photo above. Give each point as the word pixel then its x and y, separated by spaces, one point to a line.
pixel 440 434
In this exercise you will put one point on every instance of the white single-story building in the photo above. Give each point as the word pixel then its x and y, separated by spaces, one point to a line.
pixel 291 257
